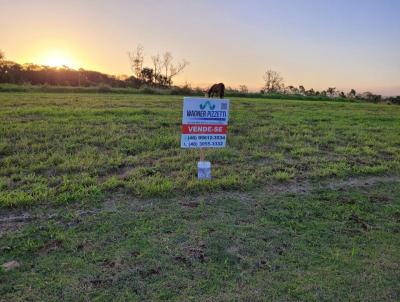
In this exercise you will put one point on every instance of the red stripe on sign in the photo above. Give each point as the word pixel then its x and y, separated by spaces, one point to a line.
pixel 204 129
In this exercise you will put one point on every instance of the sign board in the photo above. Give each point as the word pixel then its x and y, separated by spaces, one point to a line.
pixel 204 122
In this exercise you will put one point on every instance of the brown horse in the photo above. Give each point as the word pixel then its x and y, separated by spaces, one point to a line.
pixel 216 90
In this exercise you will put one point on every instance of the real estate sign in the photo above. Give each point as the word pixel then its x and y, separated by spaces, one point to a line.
pixel 204 122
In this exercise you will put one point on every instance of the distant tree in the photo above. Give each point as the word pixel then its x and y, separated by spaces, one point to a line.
pixel 394 100
pixel 2 67
pixel 291 90
pixel 147 75
pixel 273 81
pixel 136 59
pixel 162 81
pixel 310 92
pixel 342 95
pixel 172 70
pixel 133 82
pixel 370 97
pixel 331 91
pixel 352 94
pixel 157 66
pixel 243 89
pixel 164 69
pixel 376 98
pixel 302 90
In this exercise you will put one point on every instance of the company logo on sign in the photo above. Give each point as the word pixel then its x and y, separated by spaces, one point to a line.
pixel 203 106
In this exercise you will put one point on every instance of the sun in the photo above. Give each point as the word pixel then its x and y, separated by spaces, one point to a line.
pixel 58 59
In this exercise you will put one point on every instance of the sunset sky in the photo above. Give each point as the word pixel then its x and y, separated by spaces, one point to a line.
pixel 315 43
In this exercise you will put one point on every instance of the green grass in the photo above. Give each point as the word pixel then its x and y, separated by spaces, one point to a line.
pixel 62 148
pixel 324 245
pixel 304 204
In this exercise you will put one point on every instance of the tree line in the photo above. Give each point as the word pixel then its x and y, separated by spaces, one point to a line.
pixel 274 83
pixel 160 75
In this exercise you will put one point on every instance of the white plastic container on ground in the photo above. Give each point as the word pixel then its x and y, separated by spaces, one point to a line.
pixel 204 170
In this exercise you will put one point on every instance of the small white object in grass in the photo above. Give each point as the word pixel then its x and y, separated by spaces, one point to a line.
pixel 204 170
pixel 10 265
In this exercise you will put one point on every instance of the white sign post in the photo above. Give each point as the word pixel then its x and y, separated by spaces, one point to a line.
pixel 204 125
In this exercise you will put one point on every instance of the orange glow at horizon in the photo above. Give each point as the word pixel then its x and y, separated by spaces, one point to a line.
pixel 58 58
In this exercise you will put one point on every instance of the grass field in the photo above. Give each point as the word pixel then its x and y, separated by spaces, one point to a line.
pixel 98 202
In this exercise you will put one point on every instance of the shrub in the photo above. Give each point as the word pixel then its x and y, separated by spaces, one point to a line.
pixel 104 88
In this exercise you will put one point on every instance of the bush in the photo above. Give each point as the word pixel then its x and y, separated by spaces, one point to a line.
pixel 394 100
pixel 104 88
pixel 149 90
pixel 185 90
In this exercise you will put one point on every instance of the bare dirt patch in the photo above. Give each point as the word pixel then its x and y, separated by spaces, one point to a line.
pixel 359 182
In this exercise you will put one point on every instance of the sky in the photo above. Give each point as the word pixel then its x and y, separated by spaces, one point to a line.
pixel 316 43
